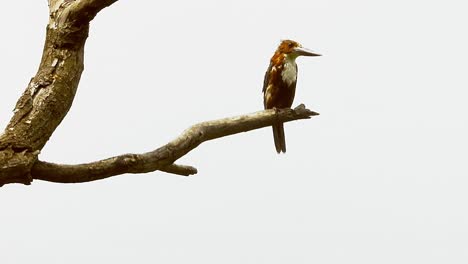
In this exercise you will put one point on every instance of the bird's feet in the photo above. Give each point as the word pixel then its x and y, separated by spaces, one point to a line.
pixel 277 112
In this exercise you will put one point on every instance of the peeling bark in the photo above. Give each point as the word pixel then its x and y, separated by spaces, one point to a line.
pixel 50 93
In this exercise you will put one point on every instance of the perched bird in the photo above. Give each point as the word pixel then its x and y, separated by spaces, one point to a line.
pixel 279 85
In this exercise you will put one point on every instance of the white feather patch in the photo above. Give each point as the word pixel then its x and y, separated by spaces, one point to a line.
pixel 289 73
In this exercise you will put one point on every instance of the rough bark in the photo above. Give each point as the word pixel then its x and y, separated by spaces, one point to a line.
pixel 50 93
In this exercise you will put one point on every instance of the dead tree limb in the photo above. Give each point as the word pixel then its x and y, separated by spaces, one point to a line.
pixel 164 157
pixel 50 93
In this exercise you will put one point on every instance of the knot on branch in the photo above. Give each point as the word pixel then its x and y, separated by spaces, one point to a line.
pixel 15 165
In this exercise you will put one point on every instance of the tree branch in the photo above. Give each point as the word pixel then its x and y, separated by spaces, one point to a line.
pixel 50 93
pixel 163 157
pixel 83 11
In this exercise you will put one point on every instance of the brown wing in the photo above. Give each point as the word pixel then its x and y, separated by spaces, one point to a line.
pixel 265 79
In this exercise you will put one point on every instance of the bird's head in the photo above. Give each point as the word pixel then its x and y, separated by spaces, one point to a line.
pixel 293 49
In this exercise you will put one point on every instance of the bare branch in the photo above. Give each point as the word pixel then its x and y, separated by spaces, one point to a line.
pixel 182 170
pixel 84 11
pixel 164 157
pixel 75 12
pixel 98 170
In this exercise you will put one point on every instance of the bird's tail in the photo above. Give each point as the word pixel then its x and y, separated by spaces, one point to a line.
pixel 278 136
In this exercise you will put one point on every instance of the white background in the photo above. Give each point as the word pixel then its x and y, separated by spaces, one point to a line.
pixel 379 177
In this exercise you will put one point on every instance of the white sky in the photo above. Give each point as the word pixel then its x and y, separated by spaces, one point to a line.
pixel 379 177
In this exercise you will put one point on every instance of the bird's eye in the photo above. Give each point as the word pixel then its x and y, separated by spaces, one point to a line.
pixel 291 45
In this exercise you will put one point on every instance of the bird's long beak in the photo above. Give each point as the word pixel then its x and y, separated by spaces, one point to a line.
pixel 305 52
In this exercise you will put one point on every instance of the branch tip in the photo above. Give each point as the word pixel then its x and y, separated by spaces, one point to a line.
pixel 302 110
pixel 181 170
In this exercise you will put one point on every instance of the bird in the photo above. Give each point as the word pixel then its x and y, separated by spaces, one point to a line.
pixel 279 85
